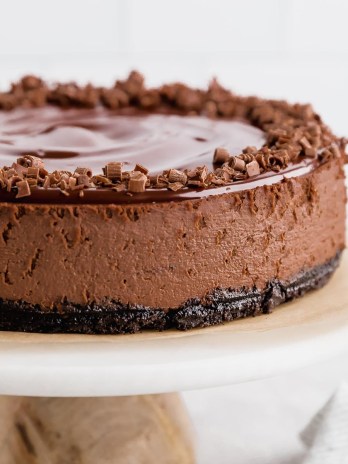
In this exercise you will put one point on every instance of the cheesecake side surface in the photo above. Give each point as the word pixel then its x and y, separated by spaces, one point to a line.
pixel 122 268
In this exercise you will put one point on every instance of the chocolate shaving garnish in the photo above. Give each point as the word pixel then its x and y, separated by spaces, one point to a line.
pixel 119 188
pixel 282 157
pixel 246 157
pixel 240 176
pixel 2 179
pixel 161 185
pixel 30 161
pixel 84 180
pixel 133 85
pixel 63 184
pixel 158 181
pixel 84 171
pixel 72 183
pixel 140 168
pixel 237 163
pixel 217 181
pixel 224 174
pixel 253 168
pixel 101 180
pixel 308 149
pixel 33 172
pixel 20 170
pixel 46 183
pixel 31 82
pixel 192 173
pixel 32 182
pixel 325 155
pixel 150 99
pixel 153 179
pixel 175 186
pixel 174 176
pixel 335 150
pixel 210 109
pixel 249 151
pixel 221 155
pixel 113 171
pixel 137 182
pixel 292 132
pixel 11 182
pixel 114 98
pixel 23 189
pixel 71 94
pixel 55 177
pixel 202 173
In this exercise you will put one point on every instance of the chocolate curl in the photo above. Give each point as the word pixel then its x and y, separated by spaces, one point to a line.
pixel 237 164
pixel 33 173
pixel 141 168
pixel 101 180
pixel 221 155
pixel 137 182
pixel 175 175
pixel 30 161
pixel 113 171
pixel 174 186
pixel 23 189
pixel 83 171
pixel 253 169
pixel 84 180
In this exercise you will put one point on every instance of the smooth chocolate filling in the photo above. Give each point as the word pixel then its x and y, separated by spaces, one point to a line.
pixel 222 305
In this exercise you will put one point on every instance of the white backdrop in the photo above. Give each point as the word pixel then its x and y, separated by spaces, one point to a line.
pixel 294 49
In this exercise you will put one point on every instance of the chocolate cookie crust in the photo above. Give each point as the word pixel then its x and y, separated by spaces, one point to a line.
pixel 222 305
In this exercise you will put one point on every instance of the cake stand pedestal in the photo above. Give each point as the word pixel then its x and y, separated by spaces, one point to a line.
pixel 81 382
pixel 119 430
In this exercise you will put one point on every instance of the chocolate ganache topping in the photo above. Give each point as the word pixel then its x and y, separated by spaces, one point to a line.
pixel 130 144
pixel 65 139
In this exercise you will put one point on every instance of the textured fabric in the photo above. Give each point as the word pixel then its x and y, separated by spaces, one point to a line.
pixel 326 436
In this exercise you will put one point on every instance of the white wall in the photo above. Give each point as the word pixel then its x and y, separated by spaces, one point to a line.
pixel 296 49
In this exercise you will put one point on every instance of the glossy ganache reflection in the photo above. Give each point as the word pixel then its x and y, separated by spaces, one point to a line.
pixel 66 139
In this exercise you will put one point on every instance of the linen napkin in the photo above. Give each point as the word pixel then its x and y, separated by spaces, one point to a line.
pixel 326 436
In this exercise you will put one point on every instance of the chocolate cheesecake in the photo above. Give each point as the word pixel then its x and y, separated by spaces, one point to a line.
pixel 128 208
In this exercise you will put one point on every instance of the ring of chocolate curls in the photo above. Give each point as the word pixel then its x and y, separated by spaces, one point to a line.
pixel 292 133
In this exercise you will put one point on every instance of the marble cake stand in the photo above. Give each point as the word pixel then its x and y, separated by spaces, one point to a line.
pixel 51 367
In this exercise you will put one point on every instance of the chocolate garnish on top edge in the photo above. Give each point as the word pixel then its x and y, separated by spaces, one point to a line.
pixel 292 133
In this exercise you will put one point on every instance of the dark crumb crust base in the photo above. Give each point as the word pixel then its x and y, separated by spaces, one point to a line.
pixel 223 305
